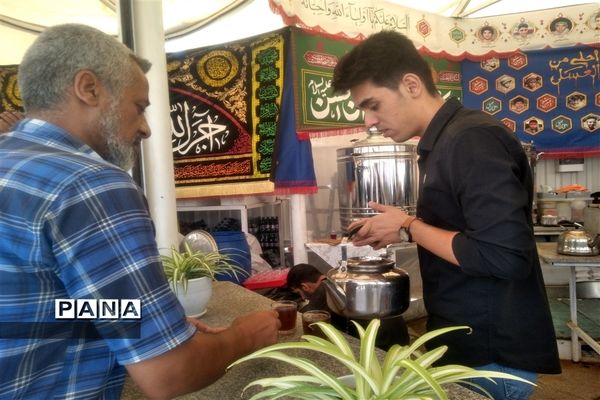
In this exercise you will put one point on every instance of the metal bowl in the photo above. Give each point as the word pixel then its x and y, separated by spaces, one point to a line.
pixel 549 220
pixel 588 290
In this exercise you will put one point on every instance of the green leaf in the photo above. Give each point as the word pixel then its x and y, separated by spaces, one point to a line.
pixel 323 346
pixel 181 266
pixel 336 338
pixel 409 350
pixel 425 378
pixel 405 373
pixel 368 358
pixel 294 386
pixel 308 366
pixel 427 359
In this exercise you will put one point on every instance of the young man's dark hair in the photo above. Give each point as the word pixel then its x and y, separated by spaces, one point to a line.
pixel 301 273
pixel 364 63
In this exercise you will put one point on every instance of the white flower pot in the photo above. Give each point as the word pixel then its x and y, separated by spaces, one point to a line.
pixel 195 300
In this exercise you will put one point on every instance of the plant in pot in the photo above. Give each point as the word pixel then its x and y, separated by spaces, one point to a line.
pixel 404 373
pixel 191 272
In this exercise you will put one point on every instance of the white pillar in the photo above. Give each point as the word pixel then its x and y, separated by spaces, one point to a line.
pixel 299 236
pixel 157 156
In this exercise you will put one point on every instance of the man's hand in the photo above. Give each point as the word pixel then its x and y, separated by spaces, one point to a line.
pixel 204 328
pixel 203 359
pixel 261 327
pixel 381 229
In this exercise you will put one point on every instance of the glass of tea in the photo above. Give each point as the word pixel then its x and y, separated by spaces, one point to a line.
pixel 312 316
pixel 287 311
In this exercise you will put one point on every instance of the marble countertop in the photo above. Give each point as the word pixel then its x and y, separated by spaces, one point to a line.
pixel 547 251
pixel 331 252
pixel 230 301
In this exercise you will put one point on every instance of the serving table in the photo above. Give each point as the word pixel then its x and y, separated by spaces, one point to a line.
pixel 230 301
pixel 548 253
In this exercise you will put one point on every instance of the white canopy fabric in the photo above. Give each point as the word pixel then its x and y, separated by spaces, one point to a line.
pixel 483 8
pixel 192 23
pixel 22 20
pixel 452 38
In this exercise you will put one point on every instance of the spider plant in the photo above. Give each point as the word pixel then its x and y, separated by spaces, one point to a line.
pixel 405 373
pixel 181 266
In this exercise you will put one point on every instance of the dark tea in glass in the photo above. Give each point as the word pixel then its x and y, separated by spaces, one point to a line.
pixel 310 317
pixel 287 310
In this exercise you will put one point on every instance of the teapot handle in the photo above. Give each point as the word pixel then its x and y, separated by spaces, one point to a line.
pixel 595 241
pixel 344 249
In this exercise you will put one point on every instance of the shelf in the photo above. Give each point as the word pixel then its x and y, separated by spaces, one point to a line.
pixel 241 208
pixel 212 214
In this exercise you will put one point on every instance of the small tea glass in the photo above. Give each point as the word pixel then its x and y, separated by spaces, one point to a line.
pixel 312 316
pixel 287 311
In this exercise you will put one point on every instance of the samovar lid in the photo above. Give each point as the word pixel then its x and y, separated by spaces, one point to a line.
pixel 374 138
pixel 369 264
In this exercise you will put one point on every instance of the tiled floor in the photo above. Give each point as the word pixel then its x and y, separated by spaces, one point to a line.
pixel 581 380
pixel 588 316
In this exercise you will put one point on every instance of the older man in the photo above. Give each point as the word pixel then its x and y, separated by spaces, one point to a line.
pixel 75 226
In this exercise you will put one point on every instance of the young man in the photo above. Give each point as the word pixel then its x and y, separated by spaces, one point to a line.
pixel 76 226
pixel 474 232
pixel 306 280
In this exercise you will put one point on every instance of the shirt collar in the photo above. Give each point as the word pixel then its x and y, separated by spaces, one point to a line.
pixel 437 124
pixel 48 134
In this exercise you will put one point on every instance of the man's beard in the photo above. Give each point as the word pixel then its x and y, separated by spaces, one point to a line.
pixel 117 151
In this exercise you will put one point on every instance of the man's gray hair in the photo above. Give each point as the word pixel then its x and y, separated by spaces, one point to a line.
pixel 60 52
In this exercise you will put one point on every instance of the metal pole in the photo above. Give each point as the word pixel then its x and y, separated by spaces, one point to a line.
pixel 157 157
pixel 124 14
pixel 299 235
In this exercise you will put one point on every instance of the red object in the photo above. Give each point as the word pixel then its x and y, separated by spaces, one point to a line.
pixel 268 279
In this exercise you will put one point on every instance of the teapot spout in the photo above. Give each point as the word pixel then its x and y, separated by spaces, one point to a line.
pixel 336 295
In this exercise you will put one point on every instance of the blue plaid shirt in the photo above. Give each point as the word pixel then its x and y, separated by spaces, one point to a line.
pixel 73 226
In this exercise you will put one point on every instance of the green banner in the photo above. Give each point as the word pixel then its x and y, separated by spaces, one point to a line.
pixel 318 109
pixel 320 112
pixel 446 76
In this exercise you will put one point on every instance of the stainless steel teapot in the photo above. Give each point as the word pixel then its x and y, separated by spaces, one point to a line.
pixel 368 287
pixel 577 243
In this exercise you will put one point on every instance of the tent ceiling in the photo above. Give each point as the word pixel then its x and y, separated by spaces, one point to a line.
pixel 483 8
pixel 181 16
pixel 192 23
